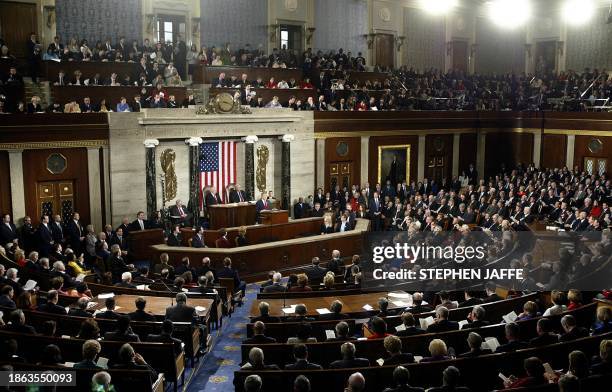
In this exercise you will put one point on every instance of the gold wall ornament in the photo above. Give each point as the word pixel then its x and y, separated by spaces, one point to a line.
pixel 167 160
pixel 223 103
pixel 263 154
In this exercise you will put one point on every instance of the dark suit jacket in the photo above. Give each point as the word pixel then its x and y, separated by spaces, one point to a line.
pixel 275 288
pixel 165 338
pixel 223 242
pixel 410 331
pixel 45 237
pixel 303 365
pixel 230 273
pixel 404 388
pixel 212 200
pixel 121 337
pixel 315 272
pixel 6 302
pixel 511 346
pixel 135 226
pixel 471 302
pixel 20 328
pixel 235 197
pixel 79 313
pixel 108 314
pixel 443 326
pixel 180 313
pixel 299 210
pixel 576 333
pixel 196 242
pixel 349 363
pixel 174 240
pixel 474 353
pixel 52 308
pixel 7 235
pixel 399 359
pixel 74 232
pixel 476 324
pixel 492 298
pixel 259 339
pixel 141 315
pixel 544 340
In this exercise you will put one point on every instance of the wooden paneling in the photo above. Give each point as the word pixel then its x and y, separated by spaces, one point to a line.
pixel 438 157
pixel 581 149
pixel 5 184
pixel 468 149
pixel 35 170
pixel 554 149
pixel 54 127
pixel 352 156
pixel 460 55
pixel 508 149
pixel 376 141
pixel 17 21
pixel 385 50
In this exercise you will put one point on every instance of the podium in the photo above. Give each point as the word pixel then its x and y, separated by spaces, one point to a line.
pixel 139 243
pixel 231 215
pixel 273 217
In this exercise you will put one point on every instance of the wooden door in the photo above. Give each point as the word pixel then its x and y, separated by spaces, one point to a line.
pixel 55 197
pixel 546 57
pixel 594 165
pixel 460 55
pixel 385 50
pixel 341 173
pixel 17 22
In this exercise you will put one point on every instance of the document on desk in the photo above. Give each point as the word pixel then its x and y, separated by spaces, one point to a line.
pixel 106 295
pixel 200 309
pixel 426 322
pixel 368 307
pixel 329 334
pixel 323 311
pixel 289 310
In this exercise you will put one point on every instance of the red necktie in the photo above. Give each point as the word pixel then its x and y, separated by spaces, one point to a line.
pixel 180 210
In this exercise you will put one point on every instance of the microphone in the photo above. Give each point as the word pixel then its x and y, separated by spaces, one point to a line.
pixel 170 290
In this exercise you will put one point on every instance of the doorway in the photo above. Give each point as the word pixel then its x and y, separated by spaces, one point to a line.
pixel 385 50
pixel 17 22
pixel 460 55
pixel 291 37
pixel 55 197
pixel 546 57
pixel 169 27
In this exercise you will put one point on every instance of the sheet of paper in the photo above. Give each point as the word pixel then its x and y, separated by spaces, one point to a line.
pixel 380 361
pixel 65 336
pixel 368 307
pixel 200 309
pixel 548 368
pixel 462 323
pixel 80 277
pixel 492 343
pixel 400 304
pixel 69 364
pixel 91 304
pixel 289 310
pixel 504 378
pixel 329 334
pixel 510 317
pixel 102 362
pixel 362 338
pixel 106 295
pixel 399 294
pixel 400 327
pixel 30 284
pixel 323 311
pixel 142 287
pixel 418 358
pixel 426 322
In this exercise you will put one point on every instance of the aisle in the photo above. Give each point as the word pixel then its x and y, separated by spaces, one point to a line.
pixel 216 370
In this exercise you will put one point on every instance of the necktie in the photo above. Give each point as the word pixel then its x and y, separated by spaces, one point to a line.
pixel 141 225
pixel 181 211
pixel 240 196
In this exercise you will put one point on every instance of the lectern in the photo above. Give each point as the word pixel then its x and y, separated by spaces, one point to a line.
pixel 273 217
pixel 231 215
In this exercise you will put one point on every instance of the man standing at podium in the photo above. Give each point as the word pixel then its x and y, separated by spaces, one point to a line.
pixel 237 195
pixel 140 223
pixel 262 203
pixel 212 197
pixel 179 214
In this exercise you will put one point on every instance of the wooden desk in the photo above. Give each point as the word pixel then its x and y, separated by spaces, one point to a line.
pixel 273 217
pixel 253 262
pixel 351 304
pixel 140 242
pixel 112 94
pixel 155 305
pixel 261 234
pixel 205 74
pixel 231 215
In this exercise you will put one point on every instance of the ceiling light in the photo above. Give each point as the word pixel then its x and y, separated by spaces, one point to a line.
pixel 577 12
pixel 509 13
pixel 437 7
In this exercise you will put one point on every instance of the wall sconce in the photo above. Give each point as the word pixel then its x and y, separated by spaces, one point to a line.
pixel 399 42
pixel 49 11
pixel 273 28
pixel 150 21
pixel 528 48
pixel 560 45
pixel 195 27
pixel 449 48
pixel 473 49
pixel 310 34
pixel 369 39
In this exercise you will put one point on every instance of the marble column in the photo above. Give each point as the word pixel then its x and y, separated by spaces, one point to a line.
pixel 320 174
pixel 17 189
pixel 420 159
pixel 569 154
pixel 249 166
pixel 365 155
pixel 151 179
pixel 456 143
pixel 107 184
pixel 480 153
pixel 537 148
pixel 194 178
pixel 286 171
pixel 95 185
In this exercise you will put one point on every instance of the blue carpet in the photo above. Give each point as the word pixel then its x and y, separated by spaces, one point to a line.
pixel 215 372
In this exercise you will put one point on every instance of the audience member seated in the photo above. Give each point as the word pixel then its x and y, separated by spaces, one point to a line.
pixel 91 350
pixel 336 312
pixel 315 272
pixel 229 272
pixel 6 299
pixel 474 342
pixel 441 322
pixel 409 326
pixel 603 324
pixel 450 381
pixel 123 333
pixel 342 333
pixel 603 364
pixel 530 310
pixel 140 314
pixel 534 378
pixel 18 323
pixel 546 335
pixel 264 314
pixel 166 337
pixel 571 330
pixel 512 332
pixel 81 309
pixel 181 312
pixel 302 284
pixel 559 301
pixel 393 345
pixel 259 336
pixel 89 330
pixel 252 383
pixel 476 318
pixel 276 286
pixel 300 353
pixel 256 361
pixel 130 360
pixel 303 333
pixel 438 351
pixel 348 358
pixel 51 305
pixel 379 328
pixel 109 312
pixel 401 379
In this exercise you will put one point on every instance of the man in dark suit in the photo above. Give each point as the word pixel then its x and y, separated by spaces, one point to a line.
pixel 490 288
pixel 450 381
pixel 212 197
pixel 335 264
pixel 336 312
pixel 229 272
pixel 109 313
pixel 474 341
pixel 512 332
pixel 276 286
pixel 140 223
pixel 179 213
pixel 175 238
pixel 546 336
pixel 376 207
pixel 130 360
pixel 401 377
pixel 470 300
pixel 299 209
pixel 259 336
pixel 222 241
pixel 264 314
pixel 126 281
pixel 8 231
pixel 6 297
pixel 300 353
pixel 18 323
pixel 120 239
pixel 181 312
pixel 418 304
pixel 393 345
pixel 81 309
pixel 75 233
pixel 123 333
pixel 476 318
pixel 237 195
pixel 441 322
pixel 51 305
pixel 409 326
pixel 45 237
pixel 315 272
pixel 166 337
pixel 140 314
pixel 571 330
pixel 197 241
pixel 57 230
pixel 348 358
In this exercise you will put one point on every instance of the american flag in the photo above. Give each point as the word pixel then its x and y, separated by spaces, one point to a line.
pixel 218 166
